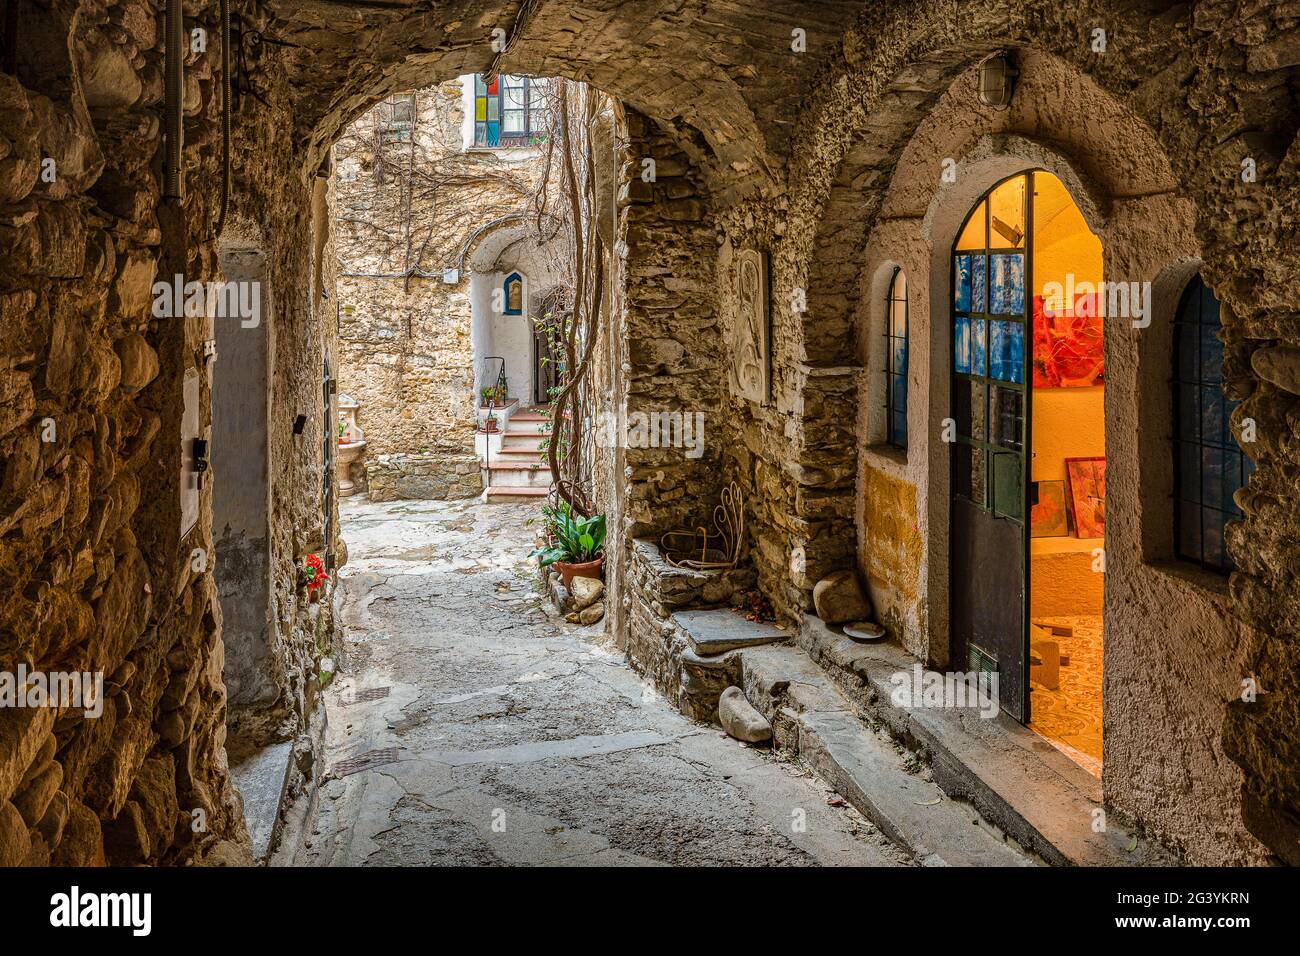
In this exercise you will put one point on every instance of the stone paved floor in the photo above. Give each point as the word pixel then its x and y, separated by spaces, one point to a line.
pixel 520 739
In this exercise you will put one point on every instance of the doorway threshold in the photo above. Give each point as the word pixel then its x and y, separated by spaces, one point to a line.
pixel 1014 777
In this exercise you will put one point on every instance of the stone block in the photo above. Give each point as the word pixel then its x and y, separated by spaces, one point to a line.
pixel 739 718
pixel 838 599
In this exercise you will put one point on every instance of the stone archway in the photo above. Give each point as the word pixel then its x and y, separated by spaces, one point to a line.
pixel 1131 203
pixel 792 155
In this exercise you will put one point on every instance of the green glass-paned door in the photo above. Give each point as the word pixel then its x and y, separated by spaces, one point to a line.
pixel 991 335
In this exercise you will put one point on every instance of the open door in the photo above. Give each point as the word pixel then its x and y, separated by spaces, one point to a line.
pixel 990 366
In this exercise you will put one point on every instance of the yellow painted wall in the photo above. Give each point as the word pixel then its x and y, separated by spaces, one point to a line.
pixel 1067 422
pixel 1062 242
pixel 891 542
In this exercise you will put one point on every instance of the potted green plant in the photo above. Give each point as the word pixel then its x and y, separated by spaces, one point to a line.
pixel 576 545
pixel 489 393
pixel 490 423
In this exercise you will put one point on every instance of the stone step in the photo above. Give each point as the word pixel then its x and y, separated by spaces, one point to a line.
pixel 508 494
pixel 519 455
pixel 1014 777
pixel 528 416
pixel 263 778
pixel 868 769
pixel 509 475
pixel 526 427
pixel 712 632
pixel 517 463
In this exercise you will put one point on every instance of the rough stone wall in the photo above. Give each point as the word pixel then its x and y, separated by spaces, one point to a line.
pixel 95 574
pixel 609 360
pixel 656 644
pixel 670 323
pixel 423 476
pixel 286 209
pixel 894 65
pixel 411 202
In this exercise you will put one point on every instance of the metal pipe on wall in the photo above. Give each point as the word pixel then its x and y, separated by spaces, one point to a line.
pixel 225 116
pixel 173 102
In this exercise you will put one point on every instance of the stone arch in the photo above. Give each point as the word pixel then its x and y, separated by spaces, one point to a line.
pixel 882 151
pixel 512 247
pixel 872 182
pixel 1151 232
pixel 722 84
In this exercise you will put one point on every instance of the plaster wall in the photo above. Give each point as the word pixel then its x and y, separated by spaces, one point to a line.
pixel 241 398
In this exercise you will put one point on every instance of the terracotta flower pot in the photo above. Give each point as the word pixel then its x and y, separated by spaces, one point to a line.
pixel 585 569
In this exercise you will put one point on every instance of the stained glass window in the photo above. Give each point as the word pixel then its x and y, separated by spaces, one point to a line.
pixel 508 111
pixel 1209 465
pixel 896 341
pixel 988 350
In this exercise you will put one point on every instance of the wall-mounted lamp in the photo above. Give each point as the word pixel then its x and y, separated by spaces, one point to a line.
pixel 997 81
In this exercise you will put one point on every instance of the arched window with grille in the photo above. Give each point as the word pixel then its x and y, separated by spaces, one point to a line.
pixel 896 365
pixel 1209 465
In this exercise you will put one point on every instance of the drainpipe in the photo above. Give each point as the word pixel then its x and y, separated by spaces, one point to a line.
pixel 174 102
pixel 225 116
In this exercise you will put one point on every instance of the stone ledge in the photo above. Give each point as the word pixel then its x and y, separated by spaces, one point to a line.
pixel 812 719
pixel 422 476
pixel 1010 774
pixel 711 632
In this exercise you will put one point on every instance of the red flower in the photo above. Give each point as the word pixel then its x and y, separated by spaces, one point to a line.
pixel 316 566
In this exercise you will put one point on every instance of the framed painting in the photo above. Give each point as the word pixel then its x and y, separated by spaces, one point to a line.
pixel 1047 514
pixel 1068 343
pixel 1087 495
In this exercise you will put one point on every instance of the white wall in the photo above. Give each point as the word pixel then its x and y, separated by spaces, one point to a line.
pixel 510 336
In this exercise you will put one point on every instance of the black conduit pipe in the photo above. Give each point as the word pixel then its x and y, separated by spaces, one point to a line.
pixel 10 58
pixel 173 101
pixel 225 115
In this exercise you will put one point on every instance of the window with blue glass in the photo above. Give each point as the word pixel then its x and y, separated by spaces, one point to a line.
pixel 513 298
pixel 1209 465
pixel 990 317
pixel 508 111
pixel 896 369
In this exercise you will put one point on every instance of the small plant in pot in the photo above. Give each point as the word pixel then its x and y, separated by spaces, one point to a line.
pixel 490 423
pixel 576 545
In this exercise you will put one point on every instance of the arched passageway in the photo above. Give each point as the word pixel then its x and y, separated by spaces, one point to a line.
pixel 808 149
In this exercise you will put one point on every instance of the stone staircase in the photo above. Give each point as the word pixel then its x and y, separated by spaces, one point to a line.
pixel 945 785
pixel 518 471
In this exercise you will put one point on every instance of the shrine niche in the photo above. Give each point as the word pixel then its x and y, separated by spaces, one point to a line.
pixel 751 334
